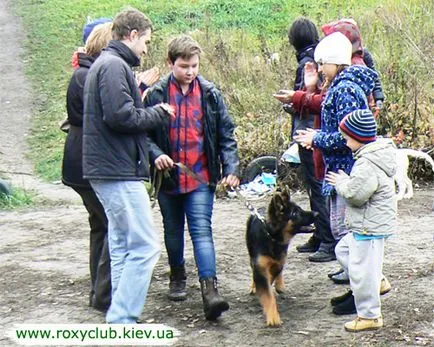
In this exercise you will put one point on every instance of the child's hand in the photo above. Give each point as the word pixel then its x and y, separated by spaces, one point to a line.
pixel 334 178
pixel 305 137
pixel 231 181
pixel 149 77
pixel 310 77
pixel 163 162
pixel 284 96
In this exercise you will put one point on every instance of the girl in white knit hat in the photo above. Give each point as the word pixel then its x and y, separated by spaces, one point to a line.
pixel 347 88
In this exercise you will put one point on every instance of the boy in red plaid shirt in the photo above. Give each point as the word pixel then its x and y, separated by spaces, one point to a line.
pixel 199 136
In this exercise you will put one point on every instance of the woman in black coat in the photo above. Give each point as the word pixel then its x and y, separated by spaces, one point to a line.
pixel 72 170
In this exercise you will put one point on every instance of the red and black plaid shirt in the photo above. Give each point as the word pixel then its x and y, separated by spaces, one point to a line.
pixel 186 134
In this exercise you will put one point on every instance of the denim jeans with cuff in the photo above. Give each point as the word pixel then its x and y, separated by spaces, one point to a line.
pixel 133 243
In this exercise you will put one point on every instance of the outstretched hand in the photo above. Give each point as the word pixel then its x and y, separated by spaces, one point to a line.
pixel 149 77
pixel 305 137
pixel 310 77
pixel 168 108
pixel 333 178
pixel 284 96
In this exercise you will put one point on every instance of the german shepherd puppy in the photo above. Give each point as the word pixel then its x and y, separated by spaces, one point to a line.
pixel 267 243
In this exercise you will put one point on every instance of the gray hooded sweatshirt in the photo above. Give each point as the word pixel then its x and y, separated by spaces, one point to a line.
pixel 370 190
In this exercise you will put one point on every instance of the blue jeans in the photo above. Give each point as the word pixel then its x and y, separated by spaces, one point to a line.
pixel 133 243
pixel 197 207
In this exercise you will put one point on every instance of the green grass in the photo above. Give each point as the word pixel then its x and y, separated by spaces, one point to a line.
pixel 19 198
pixel 232 33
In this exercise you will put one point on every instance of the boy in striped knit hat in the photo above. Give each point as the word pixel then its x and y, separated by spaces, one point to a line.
pixel 369 192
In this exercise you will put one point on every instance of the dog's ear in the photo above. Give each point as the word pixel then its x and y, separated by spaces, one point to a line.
pixel 286 193
pixel 276 206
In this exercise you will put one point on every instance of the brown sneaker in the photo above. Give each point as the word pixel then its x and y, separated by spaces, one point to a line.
pixel 385 286
pixel 362 324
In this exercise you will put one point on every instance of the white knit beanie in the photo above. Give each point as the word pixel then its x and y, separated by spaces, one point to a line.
pixel 334 49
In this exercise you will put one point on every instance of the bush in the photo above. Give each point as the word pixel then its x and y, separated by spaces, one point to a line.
pixel 238 37
pixel 19 198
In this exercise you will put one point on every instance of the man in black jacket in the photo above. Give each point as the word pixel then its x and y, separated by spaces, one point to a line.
pixel 200 137
pixel 115 160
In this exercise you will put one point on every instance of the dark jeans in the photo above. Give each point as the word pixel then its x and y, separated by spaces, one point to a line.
pixel 99 257
pixel 197 206
pixel 318 202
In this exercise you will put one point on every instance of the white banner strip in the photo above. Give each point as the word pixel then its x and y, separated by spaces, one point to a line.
pixel 93 334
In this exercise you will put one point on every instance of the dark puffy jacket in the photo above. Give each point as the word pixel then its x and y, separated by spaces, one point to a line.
pixel 377 92
pixel 220 145
pixel 306 119
pixel 115 145
pixel 72 167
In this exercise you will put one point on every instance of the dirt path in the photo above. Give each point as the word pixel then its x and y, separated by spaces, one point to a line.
pixel 15 111
pixel 44 272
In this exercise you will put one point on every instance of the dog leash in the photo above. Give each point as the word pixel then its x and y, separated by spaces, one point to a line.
pixel 188 171
pixel 237 190
pixel 158 180
pixel 250 207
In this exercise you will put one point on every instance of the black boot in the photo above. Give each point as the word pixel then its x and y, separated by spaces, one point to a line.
pixel 348 306
pixel 177 285
pixel 310 246
pixel 213 303
pixel 339 299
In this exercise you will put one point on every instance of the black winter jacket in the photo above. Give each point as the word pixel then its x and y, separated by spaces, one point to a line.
pixel 115 145
pixel 220 145
pixel 377 93
pixel 72 166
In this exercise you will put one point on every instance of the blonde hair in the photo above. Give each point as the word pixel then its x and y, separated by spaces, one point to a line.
pixel 98 39
pixel 327 83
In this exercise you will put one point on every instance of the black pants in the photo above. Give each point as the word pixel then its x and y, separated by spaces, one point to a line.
pixel 99 256
pixel 318 202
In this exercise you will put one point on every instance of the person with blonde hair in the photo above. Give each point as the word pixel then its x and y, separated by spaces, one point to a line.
pixel 72 168
pixel 87 30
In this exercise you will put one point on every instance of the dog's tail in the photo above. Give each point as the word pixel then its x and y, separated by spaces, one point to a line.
pixel 418 154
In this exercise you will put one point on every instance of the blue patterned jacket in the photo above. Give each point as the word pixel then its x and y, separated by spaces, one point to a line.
pixel 348 92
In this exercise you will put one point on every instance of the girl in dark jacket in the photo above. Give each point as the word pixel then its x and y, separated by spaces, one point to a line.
pixel 72 170
pixel 303 36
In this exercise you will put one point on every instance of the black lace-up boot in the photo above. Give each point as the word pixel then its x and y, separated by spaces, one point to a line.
pixel 213 303
pixel 177 284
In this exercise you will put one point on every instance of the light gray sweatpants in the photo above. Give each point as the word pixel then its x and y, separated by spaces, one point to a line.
pixel 363 262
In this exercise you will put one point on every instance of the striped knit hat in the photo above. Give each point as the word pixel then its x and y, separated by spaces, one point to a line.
pixel 360 125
